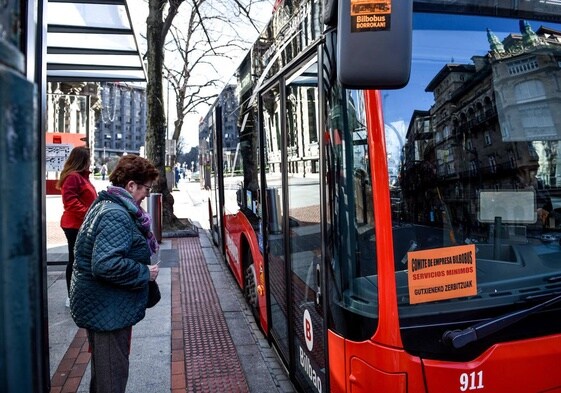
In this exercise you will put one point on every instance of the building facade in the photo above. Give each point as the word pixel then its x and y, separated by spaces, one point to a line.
pixel 228 126
pixel 121 120
pixel 480 132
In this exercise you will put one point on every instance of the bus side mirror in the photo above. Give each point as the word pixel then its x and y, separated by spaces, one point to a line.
pixel 374 40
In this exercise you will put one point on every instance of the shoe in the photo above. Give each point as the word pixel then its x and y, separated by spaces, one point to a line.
pixel 67 302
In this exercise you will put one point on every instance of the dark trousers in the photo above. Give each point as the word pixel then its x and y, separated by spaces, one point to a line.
pixel 110 360
pixel 71 235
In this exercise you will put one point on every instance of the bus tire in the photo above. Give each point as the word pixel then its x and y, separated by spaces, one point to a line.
pixel 250 289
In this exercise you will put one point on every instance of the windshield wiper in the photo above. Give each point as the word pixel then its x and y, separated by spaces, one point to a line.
pixel 460 338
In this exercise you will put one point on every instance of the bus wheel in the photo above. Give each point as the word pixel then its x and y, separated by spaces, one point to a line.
pixel 250 290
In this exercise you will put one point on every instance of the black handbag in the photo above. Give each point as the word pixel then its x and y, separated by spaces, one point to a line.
pixel 154 294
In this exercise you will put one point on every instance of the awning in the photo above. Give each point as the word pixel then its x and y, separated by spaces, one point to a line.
pixel 92 40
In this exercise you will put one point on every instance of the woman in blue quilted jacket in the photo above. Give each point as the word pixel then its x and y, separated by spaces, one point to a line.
pixel 109 289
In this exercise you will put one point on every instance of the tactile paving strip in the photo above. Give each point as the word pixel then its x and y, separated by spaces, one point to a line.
pixel 211 361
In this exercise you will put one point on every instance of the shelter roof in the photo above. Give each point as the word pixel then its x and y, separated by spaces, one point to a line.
pixel 92 40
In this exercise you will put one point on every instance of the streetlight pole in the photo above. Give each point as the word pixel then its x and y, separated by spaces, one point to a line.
pixel 167 114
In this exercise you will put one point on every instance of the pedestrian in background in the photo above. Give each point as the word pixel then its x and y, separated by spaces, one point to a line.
pixel 103 171
pixel 176 173
pixel 78 193
pixel 109 291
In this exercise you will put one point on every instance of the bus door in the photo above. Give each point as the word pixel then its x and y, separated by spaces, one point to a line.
pixel 304 225
pixel 216 194
pixel 291 146
pixel 270 108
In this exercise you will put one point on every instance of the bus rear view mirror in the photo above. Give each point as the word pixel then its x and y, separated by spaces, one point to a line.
pixel 374 43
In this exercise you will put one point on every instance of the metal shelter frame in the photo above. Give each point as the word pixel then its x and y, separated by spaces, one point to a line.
pixel 92 41
pixel 43 41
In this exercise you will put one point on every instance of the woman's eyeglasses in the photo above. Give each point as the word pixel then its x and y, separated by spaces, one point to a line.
pixel 148 188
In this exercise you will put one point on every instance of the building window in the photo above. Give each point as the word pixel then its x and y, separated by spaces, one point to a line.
pixel 527 91
pixel 450 168
pixel 522 66
pixel 532 152
pixel 512 159
pixel 472 167
pixel 537 117
pixel 487 138
pixel 493 164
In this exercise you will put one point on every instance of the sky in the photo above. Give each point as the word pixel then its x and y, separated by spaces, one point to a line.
pixel 433 47
pixel 471 31
pixel 139 12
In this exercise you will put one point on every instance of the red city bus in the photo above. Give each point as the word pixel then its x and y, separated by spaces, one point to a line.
pixel 396 226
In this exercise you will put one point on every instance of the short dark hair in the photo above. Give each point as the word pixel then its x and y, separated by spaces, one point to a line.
pixel 133 168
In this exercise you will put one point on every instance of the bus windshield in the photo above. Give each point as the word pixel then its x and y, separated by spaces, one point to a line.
pixel 472 145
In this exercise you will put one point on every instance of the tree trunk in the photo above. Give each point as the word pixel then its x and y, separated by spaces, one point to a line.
pixel 156 127
pixel 178 125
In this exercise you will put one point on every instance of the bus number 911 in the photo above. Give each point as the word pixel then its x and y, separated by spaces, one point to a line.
pixel 471 381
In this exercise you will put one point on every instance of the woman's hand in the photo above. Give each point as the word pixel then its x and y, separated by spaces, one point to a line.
pixel 154 270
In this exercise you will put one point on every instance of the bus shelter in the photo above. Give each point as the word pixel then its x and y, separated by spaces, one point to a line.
pixel 43 41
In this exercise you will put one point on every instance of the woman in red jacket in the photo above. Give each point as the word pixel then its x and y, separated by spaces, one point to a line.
pixel 77 196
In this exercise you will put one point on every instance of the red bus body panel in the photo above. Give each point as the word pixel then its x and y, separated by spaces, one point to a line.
pixel 388 328
pixel 234 226
pixel 370 367
pixel 237 228
pixel 518 367
pixel 337 364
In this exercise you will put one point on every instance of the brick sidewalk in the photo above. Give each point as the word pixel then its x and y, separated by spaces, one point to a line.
pixel 203 355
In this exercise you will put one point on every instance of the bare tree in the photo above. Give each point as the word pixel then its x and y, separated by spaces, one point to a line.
pixel 156 31
pixel 210 36
pixel 197 42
